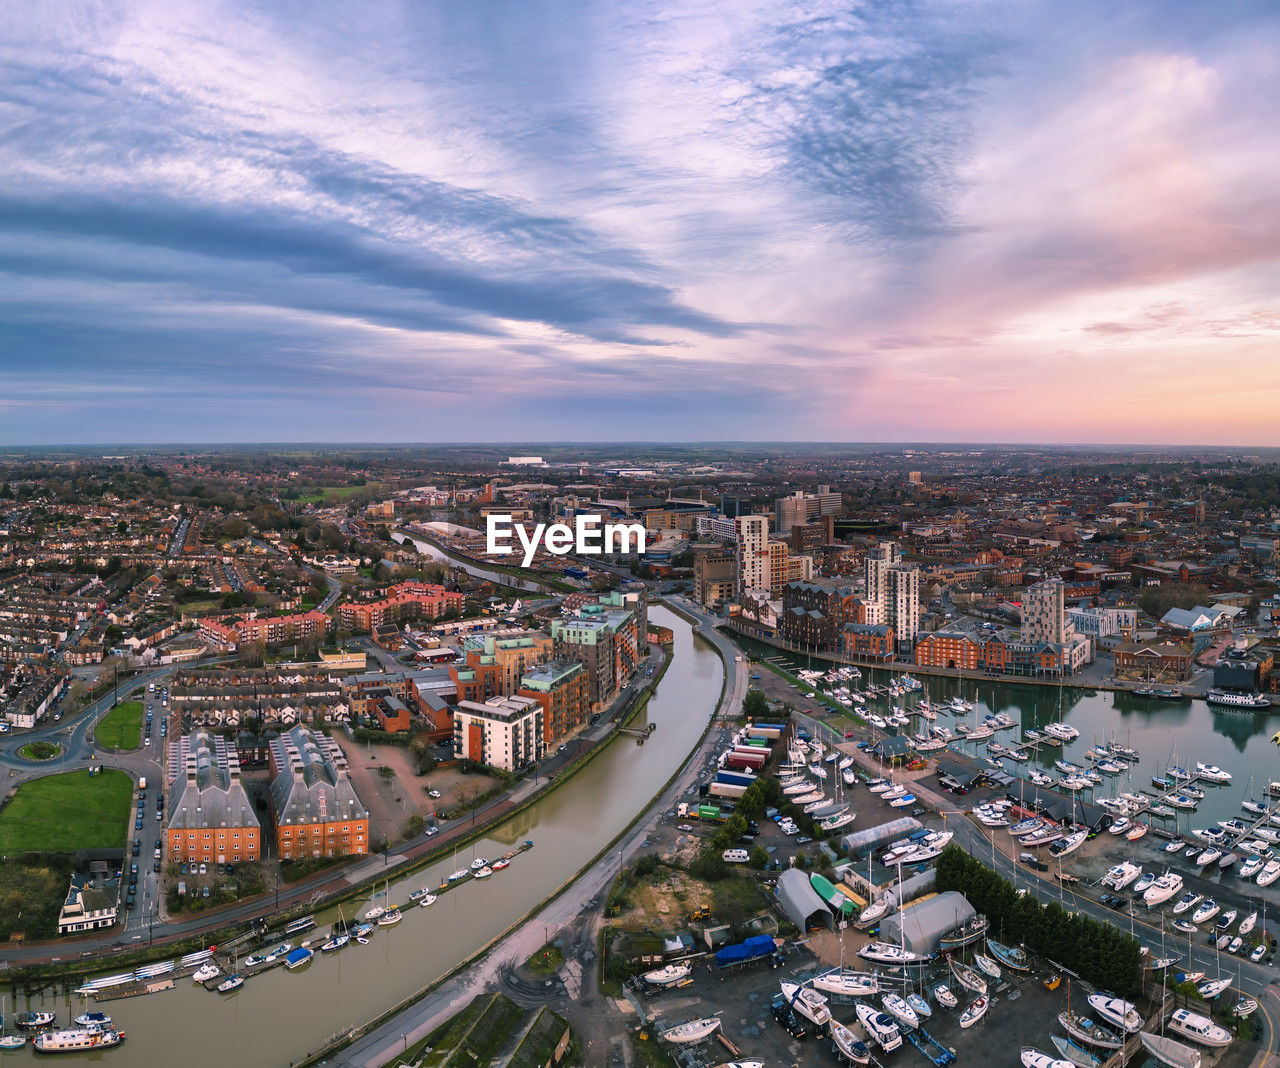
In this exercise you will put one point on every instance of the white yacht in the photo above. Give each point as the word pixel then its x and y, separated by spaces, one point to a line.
pixel 888 953
pixel 1199 1029
pixel 692 1030
pixel 847 983
pixel 1116 1011
pixel 899 1009
pixel 881 1029
pixel 807 1002
pixel 668 975
pixel 1164 888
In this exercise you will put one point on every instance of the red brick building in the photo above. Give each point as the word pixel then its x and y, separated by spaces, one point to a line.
pixel 403 602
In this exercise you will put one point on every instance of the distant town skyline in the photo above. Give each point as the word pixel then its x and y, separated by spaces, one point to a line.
pixel 872 222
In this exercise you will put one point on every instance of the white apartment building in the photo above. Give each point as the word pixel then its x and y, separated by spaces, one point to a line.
pixel 753 567
pixel 503 732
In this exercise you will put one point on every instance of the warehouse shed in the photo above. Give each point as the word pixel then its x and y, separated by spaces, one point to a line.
pixel 801 902
pixel 920 926
pixel 863 843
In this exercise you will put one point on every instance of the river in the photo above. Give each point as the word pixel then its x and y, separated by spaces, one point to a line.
pixel 1186 731
pixel 278 1016
pixel 438 554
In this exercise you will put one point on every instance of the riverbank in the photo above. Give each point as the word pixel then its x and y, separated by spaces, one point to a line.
pixel 542 579
pixel 331 888
pixel 598 864
pixel 937 672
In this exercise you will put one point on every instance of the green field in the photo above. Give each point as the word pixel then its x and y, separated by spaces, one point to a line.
pixel 121 728
pixel 63 813
pixel 336 494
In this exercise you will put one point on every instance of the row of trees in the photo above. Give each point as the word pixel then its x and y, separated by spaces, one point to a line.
pixel 1097 952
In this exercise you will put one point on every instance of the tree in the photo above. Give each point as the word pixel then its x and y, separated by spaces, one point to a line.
pixel 755 704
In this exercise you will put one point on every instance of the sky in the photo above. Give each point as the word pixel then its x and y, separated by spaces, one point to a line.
pixel 888 220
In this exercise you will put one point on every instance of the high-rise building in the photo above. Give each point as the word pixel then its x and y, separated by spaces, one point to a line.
pixel 800 507
pixel 895 588
pixel 1044 616
pixel 753 554
pixel 564 692
pixel 713 575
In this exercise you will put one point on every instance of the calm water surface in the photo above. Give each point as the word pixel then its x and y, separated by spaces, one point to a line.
pixel 278 1016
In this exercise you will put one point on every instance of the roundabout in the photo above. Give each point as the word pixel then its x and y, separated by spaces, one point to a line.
pixel 41 751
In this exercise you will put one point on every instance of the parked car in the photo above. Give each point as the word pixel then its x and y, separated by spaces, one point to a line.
pixel 203 869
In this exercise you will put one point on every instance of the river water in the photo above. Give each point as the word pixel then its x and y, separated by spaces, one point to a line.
pixel 1183 731
pixel 278 1016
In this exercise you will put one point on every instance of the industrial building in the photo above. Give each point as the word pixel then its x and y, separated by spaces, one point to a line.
pixel 801 903
pixel 918 927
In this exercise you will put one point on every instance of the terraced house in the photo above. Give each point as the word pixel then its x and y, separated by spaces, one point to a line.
pixel 210 816
pixel 316 809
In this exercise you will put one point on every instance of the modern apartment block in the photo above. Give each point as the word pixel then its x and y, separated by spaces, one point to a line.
pixel 608 640
pixel 799 507
pixel 317 812
pixel 210 818
pixel 264 630
pixel 895 587
pixel 564 692
pixel 494 666
pixel 503 732
pixel 753 571
pixel 1044 617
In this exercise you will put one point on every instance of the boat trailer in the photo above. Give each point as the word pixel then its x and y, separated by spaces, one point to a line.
pixel 939 1054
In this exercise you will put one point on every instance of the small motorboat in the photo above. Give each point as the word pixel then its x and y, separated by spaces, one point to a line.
pixel 205 972
pixel 498 865
pixel 943 996
pixel 33 1021
pixel 807 1002
pixel 298 957
pixel 484 872
pixel 428 901
pixel 479 863
pixel 1226 920
pixel 93 1019
pixel 1199 1029
pixel 1245 1006
pixel 230 983
pixel 976 1011
pixel 389 918
pixel 1208 910
pixel 1186 901
pixel 880 1028
pixel 849 1045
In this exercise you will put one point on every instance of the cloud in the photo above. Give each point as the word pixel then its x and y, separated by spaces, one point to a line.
pixel 899 218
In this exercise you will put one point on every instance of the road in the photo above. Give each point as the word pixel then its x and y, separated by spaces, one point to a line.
pixel 579 899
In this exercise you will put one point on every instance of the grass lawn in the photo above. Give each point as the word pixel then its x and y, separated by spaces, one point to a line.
pixel 40 750
pixel 32 895
pixel 546 961
pixel 336 494
pixel 63 813
pixel 121 728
